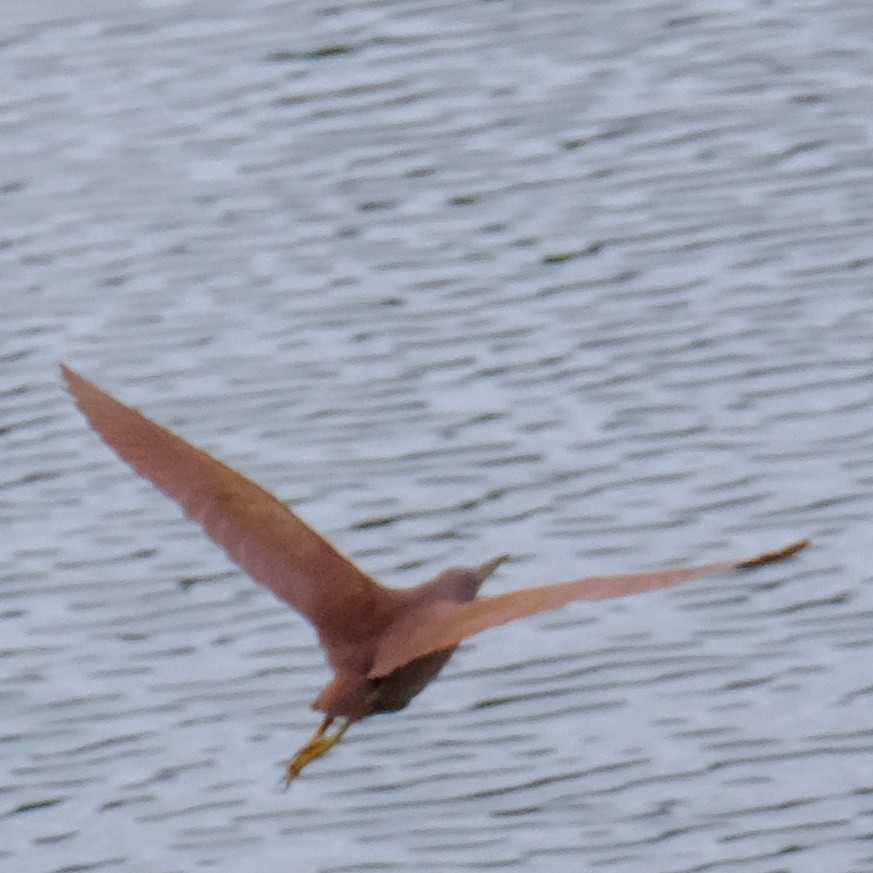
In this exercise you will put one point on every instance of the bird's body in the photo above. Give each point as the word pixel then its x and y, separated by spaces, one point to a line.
pixel 384 644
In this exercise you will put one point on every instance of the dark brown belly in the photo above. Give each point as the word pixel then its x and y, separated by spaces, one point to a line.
pixel 394 691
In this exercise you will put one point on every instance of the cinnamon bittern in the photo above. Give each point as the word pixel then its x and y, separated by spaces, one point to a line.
pixel 384 644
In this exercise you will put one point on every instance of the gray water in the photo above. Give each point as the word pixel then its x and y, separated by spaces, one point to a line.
pixel 588 283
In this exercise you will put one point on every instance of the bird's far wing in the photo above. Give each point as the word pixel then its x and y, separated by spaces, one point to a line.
pixel 453 622
pixel 256 530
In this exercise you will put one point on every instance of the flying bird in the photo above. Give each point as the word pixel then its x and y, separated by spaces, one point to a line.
pixel 384 644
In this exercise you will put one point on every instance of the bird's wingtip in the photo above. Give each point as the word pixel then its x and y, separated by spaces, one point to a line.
pixel 68 373
pixel 775 555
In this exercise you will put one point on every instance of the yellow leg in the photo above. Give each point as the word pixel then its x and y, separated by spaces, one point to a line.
pixel 318 745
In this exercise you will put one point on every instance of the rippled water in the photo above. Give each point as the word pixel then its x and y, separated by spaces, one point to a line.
pixel 589 286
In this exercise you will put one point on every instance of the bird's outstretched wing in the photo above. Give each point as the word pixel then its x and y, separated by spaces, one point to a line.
pixel 256 530
pixel 447 626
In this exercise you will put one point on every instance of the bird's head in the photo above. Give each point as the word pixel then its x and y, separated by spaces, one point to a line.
pixel 462 584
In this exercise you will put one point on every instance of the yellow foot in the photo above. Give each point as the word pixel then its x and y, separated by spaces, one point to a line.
pixel 318 744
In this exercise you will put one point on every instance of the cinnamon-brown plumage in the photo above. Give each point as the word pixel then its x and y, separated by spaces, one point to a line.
pixel 384 644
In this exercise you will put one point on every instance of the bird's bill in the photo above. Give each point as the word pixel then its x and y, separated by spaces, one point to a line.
pixel 486 569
